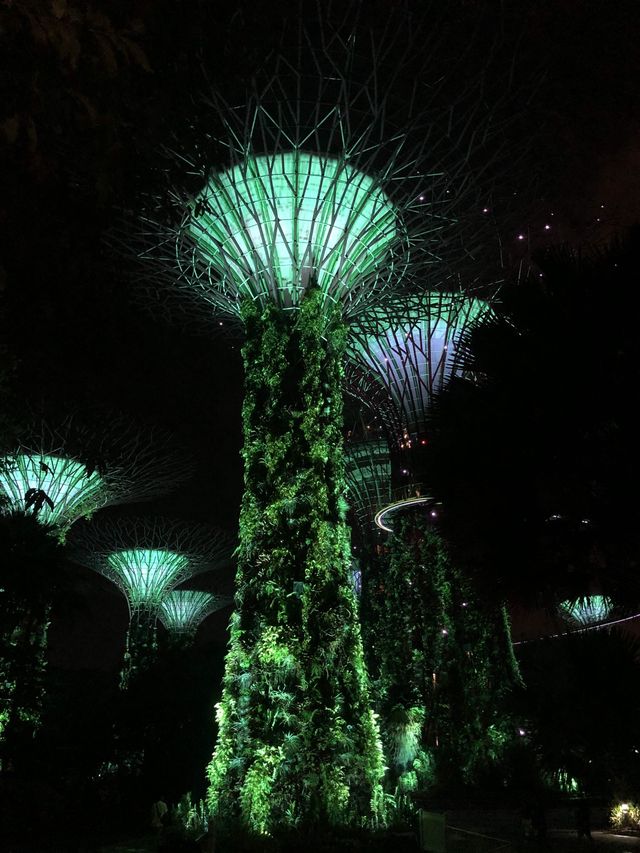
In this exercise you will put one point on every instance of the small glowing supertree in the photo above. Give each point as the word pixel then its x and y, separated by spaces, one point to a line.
pixel 588 611
pixel 146 558
pixel 183 610
pixel 350 174
pixel 63 473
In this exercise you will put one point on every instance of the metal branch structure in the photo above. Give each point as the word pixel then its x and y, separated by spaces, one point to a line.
pixel 405 354
pixel 145 558
pixel 352 173
pixel 62 473
pixel 337 170
pixel 368 479
pixel 181 611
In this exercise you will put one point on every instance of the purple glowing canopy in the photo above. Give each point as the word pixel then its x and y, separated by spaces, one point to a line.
pixel 402 356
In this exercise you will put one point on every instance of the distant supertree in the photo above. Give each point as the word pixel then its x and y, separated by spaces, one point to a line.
pixel 368 480
pixel 588 611
pixel 183 610
pixel 417 608
pixel 146 558
pixel 406 353
pixel 350 173
pixel 61 473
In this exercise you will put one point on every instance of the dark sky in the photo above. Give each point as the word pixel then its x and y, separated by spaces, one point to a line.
pixel 73 337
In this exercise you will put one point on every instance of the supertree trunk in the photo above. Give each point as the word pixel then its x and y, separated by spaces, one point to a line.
pixel 140 646
pixel 22 672
pixel 445 665
pixel 298 744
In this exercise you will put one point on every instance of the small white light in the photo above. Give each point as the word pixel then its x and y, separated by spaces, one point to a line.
pixel 547 227
pixel 485 210
pixel 433 513
pixel 445 632
pixel 521 732
pixel 624 807
pixel 520 236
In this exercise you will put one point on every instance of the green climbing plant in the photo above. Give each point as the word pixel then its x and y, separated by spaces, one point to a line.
pixel 443 665
pixel 298 744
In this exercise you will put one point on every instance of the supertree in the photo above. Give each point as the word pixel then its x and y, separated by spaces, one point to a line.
pixel 181 611
pixel 146 558
pixel 49 479
pixel 587 611
pixel 336 185
pixel 396 367
pixel 368 480
pixel 60 473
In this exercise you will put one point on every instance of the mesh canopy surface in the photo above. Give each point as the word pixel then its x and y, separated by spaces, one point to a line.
pixel 368 477
pixel 272 224
pixel 411 353
pixel 182 610
pixel 145 574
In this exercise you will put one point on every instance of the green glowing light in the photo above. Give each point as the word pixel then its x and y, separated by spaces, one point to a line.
pixel 182 610
pixel 587 611
pixel 271 225
pixel 70 490
pixel 145 574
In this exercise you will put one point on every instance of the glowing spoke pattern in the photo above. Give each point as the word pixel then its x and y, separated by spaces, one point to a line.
pixel 145 575
pixel 69 486
pixel 329 168
pixel 80 468
pixel 273 224
pixel 368 479
pixel 412 353
pixel 182 610
pixel 587 611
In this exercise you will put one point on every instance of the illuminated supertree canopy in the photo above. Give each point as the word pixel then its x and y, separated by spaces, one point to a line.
pixel 273 224
pixel 336 186
pixel 63 473
pixel 368 479
pixel 588 611
pixel 146 558
pixel 337 172
pixel 406 354
pixel 182 610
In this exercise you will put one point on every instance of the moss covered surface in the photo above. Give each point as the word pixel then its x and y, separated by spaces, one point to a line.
pixel 298 744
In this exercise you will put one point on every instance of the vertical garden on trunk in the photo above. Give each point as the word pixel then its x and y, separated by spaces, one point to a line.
pixel 444 664
pixel 298 744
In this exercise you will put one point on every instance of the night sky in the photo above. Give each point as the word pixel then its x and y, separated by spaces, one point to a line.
pixel 78 117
